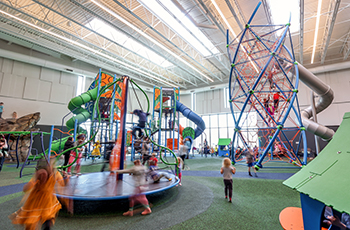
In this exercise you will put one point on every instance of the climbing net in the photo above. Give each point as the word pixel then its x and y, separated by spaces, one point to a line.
pixel 263 93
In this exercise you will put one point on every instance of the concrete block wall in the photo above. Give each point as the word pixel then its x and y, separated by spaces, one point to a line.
pixel 27 88
pixel 211 102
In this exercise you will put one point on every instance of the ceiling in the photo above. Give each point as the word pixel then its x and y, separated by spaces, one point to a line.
pixel 64 27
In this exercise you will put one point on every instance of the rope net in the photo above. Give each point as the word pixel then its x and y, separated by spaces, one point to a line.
pixel 263 87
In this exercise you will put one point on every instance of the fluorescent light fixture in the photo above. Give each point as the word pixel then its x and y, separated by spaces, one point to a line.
pixel 148 37
pixel 316 30
pixel 233 33
pixel 120 38
pixel 137 70
pixel 223 18
pixel 164 15
pixel 281 11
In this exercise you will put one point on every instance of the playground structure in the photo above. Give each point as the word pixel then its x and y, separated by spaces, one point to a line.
pixel 323 181
pixel 263 87
pixel 223 149
pixel 165 125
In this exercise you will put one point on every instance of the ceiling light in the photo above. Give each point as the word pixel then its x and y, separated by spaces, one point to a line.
pixel 87 48
pixel 316 30
pixel 149 38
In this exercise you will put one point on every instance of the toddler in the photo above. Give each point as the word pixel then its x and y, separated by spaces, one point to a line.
pixel 227 170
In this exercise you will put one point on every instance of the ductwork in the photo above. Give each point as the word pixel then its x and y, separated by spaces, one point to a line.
pixel 326 96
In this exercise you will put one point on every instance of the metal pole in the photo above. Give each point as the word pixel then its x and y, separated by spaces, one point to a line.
pixel 317 144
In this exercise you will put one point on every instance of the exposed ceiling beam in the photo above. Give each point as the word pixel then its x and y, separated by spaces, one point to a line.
pixel 345 49
pixel 233 12
pixel 199 25
pixel 167 40
pixel 267 12
pixel 301 32
pixel 332 15
pixel 179 21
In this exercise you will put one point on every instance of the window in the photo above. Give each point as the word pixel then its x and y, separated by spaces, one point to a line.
pixel 223 133
pixel 223 119
pixel 193 101
pixel 281 11
pixel 80 85
pixel 226 97
pixel 214 136
pixel 213 121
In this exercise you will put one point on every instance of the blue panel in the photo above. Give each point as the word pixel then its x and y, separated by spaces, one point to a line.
pixel 312 212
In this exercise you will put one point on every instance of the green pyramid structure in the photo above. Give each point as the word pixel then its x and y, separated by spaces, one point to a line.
pixel 327 177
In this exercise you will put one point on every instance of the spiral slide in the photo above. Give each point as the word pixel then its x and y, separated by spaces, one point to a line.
pixel 189 114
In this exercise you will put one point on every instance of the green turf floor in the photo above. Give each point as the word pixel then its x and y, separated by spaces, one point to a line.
pixel 198 204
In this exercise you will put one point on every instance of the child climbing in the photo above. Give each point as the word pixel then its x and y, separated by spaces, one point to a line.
pixel 271 112
pixel 142 123
pixel 155 174
pixel 227 170
pixel 276 100
pixel 41 205
pixel 138 172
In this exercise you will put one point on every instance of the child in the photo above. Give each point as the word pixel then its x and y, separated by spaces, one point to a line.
pixel 109 147
pixel 142 122
pixel 138 172
pixel 276 100
pixel 3 150
pixel 154 158
pixel 96 151
pixel 145 150
pixel 41 206
pixel 179 169
pixel 69 144
pixel 182 154
pixel 250 162
pixel 271 111
pixel 1 109
pixel 14 115
pixel 155 174
pixel 81 139
pixel 227 170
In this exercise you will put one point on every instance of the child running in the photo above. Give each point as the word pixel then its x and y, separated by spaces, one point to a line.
pixel 41 206
pixel 155 174
pixel 179 169
pixel 227 170
pixel 138 172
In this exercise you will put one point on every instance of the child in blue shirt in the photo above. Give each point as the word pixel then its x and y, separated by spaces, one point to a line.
pixel 142 122
pixel 1 108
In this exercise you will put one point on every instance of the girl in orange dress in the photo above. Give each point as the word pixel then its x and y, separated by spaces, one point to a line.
pixel 41 206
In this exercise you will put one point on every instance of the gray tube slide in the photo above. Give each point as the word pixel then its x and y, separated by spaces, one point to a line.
pixel 189 114
pixel 325 99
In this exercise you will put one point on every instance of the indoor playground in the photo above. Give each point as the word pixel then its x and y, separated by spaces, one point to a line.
pixel 174 114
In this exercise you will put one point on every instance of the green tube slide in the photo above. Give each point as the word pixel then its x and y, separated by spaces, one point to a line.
pixel 81 114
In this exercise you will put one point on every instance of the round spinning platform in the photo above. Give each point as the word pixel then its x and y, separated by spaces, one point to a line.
pixel 104 186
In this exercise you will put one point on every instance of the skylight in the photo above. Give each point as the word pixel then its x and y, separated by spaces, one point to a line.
pixel 127 42
pixel 281 10
pixel 162 11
